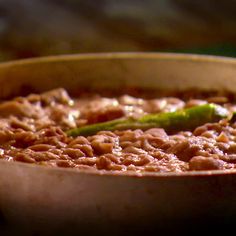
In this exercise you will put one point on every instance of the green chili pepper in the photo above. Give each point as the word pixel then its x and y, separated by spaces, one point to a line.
pixel 185 119
pixel 233 118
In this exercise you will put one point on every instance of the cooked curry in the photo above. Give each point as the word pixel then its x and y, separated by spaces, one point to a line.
pixel 122 133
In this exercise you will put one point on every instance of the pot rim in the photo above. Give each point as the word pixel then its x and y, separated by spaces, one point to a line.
pixel 122 55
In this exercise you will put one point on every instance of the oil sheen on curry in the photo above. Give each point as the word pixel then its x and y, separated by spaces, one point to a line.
pixel 169 133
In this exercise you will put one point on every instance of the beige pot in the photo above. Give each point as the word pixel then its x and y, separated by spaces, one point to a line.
pixel 40 200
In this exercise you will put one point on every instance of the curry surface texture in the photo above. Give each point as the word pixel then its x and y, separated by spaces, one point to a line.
pixel 33 130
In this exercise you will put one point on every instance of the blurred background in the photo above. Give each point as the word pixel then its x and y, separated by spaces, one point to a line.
pixel 30 28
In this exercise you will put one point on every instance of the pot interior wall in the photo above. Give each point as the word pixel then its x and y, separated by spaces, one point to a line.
pixel 117 71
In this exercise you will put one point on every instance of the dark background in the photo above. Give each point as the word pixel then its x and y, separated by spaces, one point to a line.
pixel 30 28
